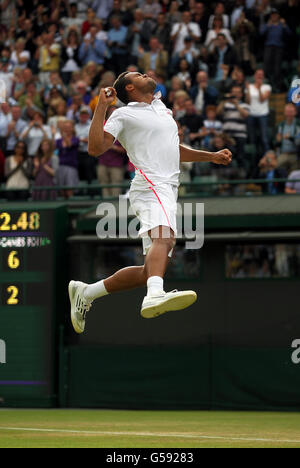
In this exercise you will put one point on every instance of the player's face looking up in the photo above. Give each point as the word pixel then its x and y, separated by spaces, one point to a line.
pixel 141 83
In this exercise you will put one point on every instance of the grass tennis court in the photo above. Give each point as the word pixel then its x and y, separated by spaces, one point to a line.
pixel 147 429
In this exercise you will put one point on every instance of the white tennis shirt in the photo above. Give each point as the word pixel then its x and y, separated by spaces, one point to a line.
pixel 149 134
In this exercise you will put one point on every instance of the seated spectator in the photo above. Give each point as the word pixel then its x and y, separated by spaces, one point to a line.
pixel 211 127
pixel 212 34
pixel 101 35
pixel 238 13
pixel 92 49
pixel 111 167
pixel 173 16
pixel 156 58
pixel 175 85
pixel 151 9
pixel 86 163
pixel 17 171
pixel 219 12
pixel 14 129
pixel 162 30
pixel 70 56
pixel 222 54
pixel 184 73
pixel 268 169
pixel 20 57
pixel 238 79
pixel 72 18
pixel 49 57
pixel 73 111
pixel 221 141
pixel 288 138
pixel 4 121
pixel 31 99
pixel 190 122
pixel 118 47
pixel 200 16
pixel 91 74
pixel 102 8
pixel 257 96
pixel 21 83
pixel 57 110
pixel 234 113
pixel 123 10
pixel 180 99
pixel 293 186
pixel 45 167
pixel 6 75
pixel 190 53
pixel 68 147
pixel 275 32
pixel 90 19
pixel 107 80
pixel 138 36
pixel 55 81
pixel 202 93
pixel 83 92
pixel 182 30
pixel 34 133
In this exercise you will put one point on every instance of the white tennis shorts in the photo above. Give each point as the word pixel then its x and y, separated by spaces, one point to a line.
pixel 155 207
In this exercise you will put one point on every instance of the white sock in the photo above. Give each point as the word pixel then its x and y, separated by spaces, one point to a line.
pixel 155 286
pixel 94 291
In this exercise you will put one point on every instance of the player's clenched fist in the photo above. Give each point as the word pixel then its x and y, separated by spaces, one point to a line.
pixel 222 157
pixel 107 96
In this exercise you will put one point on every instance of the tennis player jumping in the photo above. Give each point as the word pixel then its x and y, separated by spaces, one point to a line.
pixel 149 133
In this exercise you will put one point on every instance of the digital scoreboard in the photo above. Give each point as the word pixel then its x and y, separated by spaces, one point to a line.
pixel 32 247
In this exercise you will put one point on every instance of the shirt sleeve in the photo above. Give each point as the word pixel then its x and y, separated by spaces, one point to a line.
pixel 114 124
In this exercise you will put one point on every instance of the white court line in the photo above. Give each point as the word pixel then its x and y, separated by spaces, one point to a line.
pixel 146 434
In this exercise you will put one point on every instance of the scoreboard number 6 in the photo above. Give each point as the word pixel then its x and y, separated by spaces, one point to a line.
pixel 13 299
pixel 13 261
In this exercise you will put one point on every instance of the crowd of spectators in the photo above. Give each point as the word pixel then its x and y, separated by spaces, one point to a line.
pixel 217 65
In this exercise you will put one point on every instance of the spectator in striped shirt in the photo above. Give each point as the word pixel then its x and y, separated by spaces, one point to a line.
pixel 234 113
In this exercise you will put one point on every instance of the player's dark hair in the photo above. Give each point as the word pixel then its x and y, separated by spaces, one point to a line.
pixel 120 86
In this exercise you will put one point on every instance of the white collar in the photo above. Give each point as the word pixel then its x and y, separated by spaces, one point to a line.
pixel 156 97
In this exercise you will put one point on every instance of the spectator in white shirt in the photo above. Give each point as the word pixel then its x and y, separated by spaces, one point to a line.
pixel 15 128
pixel 35 132
pixel 217 28
pixel 219 11
pixel 257 95
pixel 20 57
pixel 184 29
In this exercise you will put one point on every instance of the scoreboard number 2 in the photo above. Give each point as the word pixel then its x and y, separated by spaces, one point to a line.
pixel 13 292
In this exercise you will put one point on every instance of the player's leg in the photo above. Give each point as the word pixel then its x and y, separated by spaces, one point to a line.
pixel 157 301
pixel 137 276
pixel 82 295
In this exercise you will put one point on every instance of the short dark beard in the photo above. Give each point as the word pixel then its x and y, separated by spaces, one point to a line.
pixel 150 87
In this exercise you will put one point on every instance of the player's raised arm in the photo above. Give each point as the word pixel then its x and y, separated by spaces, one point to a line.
pixel 99 140
pixel 190 155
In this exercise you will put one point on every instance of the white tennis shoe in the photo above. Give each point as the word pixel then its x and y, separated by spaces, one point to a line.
pixel 153 306
pixel 79 306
